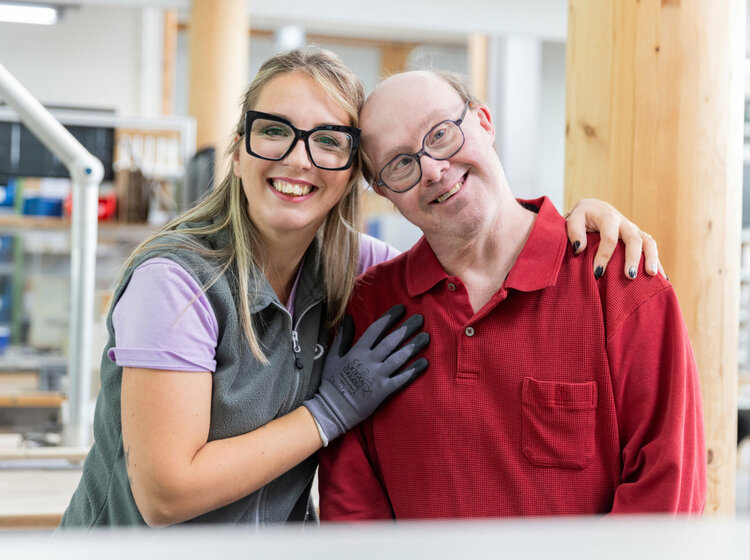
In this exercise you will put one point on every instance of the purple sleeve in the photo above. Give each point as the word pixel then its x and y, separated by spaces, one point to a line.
pixel 159 322
pixel 372 251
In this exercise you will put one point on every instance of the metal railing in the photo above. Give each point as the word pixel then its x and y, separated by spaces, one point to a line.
pixel 86 173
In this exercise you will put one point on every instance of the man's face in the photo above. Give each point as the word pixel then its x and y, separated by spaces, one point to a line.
pixel 455 196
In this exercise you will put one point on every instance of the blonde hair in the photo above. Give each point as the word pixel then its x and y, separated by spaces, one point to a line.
pixel 225 208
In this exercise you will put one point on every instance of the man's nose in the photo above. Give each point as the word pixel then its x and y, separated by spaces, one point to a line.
pixel 433 169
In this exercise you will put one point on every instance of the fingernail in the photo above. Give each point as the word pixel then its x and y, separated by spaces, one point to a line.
pixel 654 269
pixel 576 246
pixel 667 277
pixel 598 272
pixel 632 272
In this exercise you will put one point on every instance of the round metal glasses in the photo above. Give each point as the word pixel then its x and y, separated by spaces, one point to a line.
pixel 443 141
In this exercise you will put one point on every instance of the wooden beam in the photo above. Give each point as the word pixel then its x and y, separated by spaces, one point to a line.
pixel 394 58
pixel 478 64
pixel 655 103
pixel 170 61
pixel 32 400
pixel 219 64
pixel 30 521
pixel 345 40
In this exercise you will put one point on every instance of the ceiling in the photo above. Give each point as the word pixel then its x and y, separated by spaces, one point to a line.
pixel 441 21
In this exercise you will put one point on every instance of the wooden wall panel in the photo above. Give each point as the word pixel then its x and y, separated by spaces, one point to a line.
pixel 394 58
pixel 655 103
pixel 478 64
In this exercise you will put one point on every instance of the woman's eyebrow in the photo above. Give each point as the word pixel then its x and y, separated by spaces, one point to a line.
pixel 286 118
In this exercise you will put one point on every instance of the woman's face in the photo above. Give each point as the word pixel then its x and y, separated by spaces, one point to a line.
pixel 292 195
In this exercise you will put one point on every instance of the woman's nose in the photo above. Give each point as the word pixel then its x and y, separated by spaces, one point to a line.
pixel 298 156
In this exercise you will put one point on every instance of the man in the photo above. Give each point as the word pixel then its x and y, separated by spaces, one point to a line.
pixel 550 390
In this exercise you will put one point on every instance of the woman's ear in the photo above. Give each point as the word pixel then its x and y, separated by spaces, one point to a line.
pixel 236 155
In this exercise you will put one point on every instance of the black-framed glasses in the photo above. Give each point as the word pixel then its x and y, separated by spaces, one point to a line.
pixel 443 141
pixel 328 146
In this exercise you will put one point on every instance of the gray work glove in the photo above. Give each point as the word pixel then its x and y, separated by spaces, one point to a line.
pixel 355 381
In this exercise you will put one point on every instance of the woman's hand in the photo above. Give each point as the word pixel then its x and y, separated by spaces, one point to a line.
pixel 590 214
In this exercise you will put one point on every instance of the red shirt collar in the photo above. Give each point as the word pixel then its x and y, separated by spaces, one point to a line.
pixel 536 267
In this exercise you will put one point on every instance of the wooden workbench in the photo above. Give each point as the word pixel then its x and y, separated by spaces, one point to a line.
pixel 36 485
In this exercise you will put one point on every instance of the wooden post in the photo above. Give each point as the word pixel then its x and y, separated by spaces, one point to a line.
pixel 478 55
pixel 219 64
pixel 393 58
pixel 655 102
pixel 170 60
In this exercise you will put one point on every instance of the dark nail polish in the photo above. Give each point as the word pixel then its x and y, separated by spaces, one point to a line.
pixel 632 272
pixel 576 246
pixel 599 272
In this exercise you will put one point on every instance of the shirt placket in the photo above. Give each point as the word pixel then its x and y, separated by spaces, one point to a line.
pixel 469 330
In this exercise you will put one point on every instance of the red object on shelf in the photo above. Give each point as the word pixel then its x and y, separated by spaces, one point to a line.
pixel 107 208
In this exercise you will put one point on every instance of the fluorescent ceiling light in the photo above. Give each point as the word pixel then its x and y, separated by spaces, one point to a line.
pixel 28 13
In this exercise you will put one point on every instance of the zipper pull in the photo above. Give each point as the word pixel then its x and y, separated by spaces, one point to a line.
pixel 295 341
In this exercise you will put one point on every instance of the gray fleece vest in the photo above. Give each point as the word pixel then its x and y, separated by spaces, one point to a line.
pixel 246 395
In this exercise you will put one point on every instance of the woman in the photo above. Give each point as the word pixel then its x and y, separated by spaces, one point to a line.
pixel 211 405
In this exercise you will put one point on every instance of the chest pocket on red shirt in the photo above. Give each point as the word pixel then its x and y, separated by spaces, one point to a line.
pixel 559 423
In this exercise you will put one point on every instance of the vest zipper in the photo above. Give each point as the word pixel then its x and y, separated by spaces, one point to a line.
pixel 293 397
pixel 297 349
pixel 295 337
pixel 295 345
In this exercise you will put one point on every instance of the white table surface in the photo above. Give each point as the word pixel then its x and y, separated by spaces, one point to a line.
pixel 629 538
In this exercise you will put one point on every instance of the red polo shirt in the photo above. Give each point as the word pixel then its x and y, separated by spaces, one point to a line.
pixel 563 395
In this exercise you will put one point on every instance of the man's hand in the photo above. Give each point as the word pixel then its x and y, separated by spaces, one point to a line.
pixel 355 381
pixel 590 214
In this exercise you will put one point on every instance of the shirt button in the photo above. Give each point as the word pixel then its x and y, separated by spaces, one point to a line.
pixel 469 331
pixel 451 286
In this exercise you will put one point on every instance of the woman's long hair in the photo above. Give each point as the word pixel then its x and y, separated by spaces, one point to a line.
pixel 225 208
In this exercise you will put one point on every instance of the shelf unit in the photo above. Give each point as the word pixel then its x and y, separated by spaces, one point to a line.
pixel 33 369
pixel 37 262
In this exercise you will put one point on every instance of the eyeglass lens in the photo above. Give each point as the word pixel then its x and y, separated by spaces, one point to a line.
pixel 327 148
pixel 441 142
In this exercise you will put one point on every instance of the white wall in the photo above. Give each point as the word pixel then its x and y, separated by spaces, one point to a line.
pixel 421 19
pixel 106 54
pixel 526 93
pixel 516 94
pixel 552 123
pixel 364 61
pixel 90 59
pixel 417 19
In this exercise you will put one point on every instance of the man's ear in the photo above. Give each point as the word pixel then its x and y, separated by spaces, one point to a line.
pixel 485 120
pixel 378 189
pixel 367 164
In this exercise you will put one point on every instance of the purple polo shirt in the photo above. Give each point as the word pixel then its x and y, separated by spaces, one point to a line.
pixel 179 330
